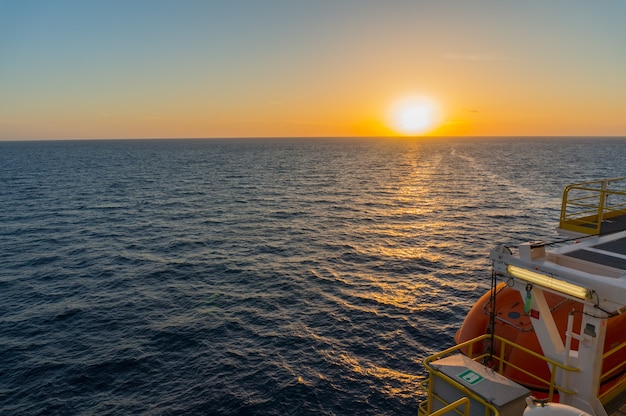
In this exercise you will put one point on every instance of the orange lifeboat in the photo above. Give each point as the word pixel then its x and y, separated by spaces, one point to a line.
pixel 513 324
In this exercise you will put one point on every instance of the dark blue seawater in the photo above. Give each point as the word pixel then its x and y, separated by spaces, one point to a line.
pixel 267 277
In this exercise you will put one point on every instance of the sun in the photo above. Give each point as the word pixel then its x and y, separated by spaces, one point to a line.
pixel 414 116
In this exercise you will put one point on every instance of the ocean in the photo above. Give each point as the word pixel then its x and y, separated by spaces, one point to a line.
pixel 260 276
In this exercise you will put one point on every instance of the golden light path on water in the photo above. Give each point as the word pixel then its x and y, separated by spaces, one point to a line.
pixel 408 227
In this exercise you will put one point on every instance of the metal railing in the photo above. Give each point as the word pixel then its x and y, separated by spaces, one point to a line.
pixel 615 372
pixel 498 363
pixel 463 401
pixel 586 205
pixel 448 407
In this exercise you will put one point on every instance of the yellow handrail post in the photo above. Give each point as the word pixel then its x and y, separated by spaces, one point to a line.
pixel 601 204
pixel 430 392
pixel 501 359
pixel 563 219
pixel 552 377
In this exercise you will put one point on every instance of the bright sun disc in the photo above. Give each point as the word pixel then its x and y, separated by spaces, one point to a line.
pixel 414 116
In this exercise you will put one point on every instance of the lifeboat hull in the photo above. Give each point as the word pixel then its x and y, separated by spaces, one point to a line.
pixel 513 324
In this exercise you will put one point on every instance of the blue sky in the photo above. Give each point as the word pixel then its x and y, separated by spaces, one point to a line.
pixel 117 69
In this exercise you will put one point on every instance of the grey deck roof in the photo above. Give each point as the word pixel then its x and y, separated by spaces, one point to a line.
pixel 613 254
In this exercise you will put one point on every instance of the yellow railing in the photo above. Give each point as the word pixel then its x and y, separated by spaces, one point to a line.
pixel 586 205
pixel 426 408
pixel 499 362
pixel 463 401
pixel 619 387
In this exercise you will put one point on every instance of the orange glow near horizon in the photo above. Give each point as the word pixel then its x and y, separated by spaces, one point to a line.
pixel 278 75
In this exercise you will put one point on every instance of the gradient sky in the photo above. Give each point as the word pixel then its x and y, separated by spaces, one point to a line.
pixel 265 68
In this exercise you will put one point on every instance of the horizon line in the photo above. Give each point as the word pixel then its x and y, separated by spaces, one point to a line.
pixel 425 137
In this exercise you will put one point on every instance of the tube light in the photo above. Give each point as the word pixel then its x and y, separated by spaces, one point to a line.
pixel 549 282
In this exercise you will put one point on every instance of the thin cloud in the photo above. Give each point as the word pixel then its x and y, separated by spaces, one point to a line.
pixel 477 57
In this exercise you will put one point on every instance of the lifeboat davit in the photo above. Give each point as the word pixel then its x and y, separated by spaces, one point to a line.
pixel 513 324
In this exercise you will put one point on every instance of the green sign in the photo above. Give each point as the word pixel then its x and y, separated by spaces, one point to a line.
pixel 470 377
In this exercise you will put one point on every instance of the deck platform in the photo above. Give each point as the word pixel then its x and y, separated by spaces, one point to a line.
pixel 612 254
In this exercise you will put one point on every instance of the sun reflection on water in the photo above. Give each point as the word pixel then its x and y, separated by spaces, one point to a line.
pixel 392 382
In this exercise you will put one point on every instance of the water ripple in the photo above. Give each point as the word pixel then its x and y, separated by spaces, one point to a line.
pixel 255 277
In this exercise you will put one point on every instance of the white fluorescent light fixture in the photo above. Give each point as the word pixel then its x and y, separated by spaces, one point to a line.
pixel 549 282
